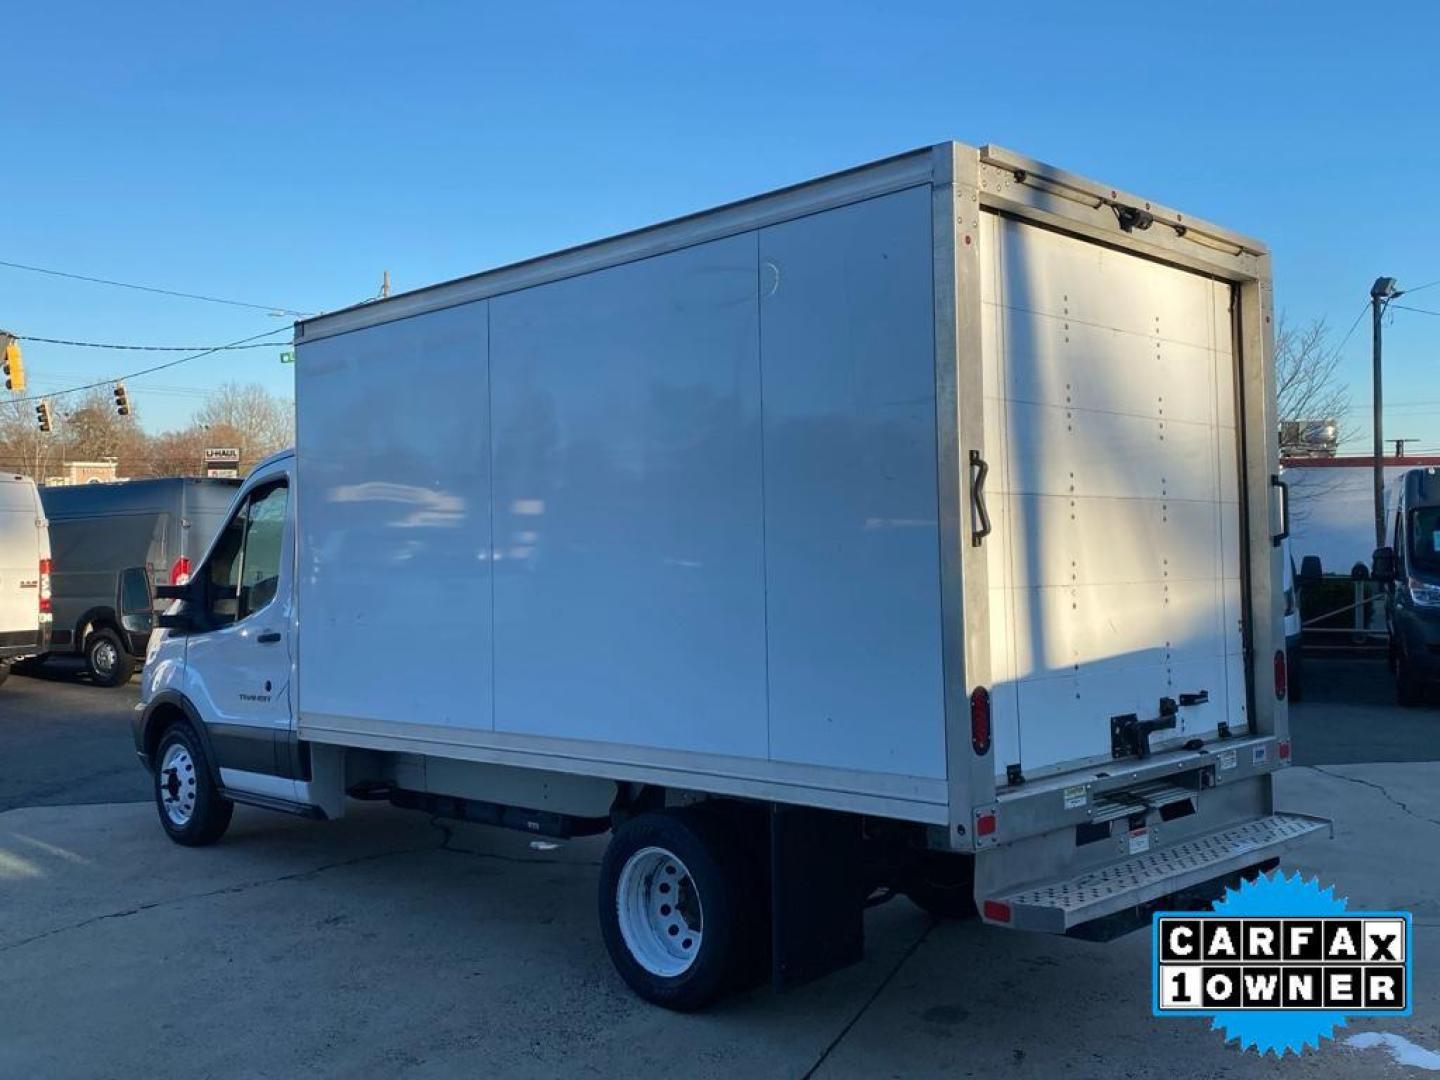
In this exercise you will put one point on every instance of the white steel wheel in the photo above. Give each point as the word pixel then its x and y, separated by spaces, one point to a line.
pixel 659 911
pixel 178 783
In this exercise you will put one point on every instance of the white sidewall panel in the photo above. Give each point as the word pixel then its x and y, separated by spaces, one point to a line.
pixel 394 518
pixel 852 527
pixel 629 574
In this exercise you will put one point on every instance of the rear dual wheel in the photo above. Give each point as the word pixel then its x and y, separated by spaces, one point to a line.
pixel 678 907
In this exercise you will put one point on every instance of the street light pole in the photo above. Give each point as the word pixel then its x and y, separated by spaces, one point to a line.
pixel 1380 294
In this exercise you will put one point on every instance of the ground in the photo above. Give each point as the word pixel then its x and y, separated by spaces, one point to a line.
pixel 387 944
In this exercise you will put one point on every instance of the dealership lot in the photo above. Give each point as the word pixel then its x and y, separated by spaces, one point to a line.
pixel 390 944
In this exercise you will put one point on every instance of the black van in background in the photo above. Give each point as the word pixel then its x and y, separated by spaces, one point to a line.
pixel 1410 567
pixel 111 544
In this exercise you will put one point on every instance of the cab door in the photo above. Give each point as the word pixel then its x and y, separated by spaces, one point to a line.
pixel 238 668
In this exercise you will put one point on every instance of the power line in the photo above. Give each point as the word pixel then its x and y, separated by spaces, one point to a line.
pixel 1419 288
pixel 1407 307
pixel 151 370
pixel 144 348
pixel 153 289
pixel 1363 308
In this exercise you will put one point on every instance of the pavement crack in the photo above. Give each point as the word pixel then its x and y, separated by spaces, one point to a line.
pixel 869 1001
pixel 1380 788
pixel 243 886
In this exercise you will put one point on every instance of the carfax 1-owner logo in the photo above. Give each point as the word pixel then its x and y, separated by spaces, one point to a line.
pixel 1280 963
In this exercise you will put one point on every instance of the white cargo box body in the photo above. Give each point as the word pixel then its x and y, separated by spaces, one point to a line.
pixel 701 505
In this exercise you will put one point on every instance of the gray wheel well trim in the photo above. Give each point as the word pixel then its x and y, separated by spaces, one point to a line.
pixel 158 715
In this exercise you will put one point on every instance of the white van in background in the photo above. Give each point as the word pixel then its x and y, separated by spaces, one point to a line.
pixel 24 573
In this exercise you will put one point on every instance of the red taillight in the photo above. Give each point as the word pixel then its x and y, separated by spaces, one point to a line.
pixel 180 571
pixel 980 720
pixel 1284 750
pixel 45 586
pixel 985 824
pixel 1280 676
pixel 996 911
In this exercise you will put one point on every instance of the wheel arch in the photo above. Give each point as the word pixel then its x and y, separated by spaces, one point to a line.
pixel 97 616
pixel 166 708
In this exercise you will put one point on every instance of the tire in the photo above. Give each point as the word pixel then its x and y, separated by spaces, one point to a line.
pixel 1409 689
pixel 4 673
pixel 684 955
pixel 1295 690
pixel 942 885
pixel 192 810
pixel 105 657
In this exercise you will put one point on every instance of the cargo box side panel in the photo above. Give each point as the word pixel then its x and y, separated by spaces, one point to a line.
pixel 629 587
pixel 852 530
pixel 1114 569
pixel 394 519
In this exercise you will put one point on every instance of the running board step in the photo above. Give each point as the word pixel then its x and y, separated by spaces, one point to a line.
pixel 1058 906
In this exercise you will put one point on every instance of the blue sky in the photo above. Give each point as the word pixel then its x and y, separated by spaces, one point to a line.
pixel 289 153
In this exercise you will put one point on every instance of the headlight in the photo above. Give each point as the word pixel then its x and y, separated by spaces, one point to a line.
pixel 1424 594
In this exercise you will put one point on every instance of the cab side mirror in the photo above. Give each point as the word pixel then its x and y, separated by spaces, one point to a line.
pixel 1382 564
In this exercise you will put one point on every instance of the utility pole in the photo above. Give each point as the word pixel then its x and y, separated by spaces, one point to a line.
pixel 385 285
pixel 1380 294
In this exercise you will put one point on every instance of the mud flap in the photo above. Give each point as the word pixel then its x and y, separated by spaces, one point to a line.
pixel 817 893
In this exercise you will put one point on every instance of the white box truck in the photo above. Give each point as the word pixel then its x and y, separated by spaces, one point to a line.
pixel 911 530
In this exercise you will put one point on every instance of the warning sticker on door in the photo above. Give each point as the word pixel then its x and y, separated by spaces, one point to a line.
pixel 1227 759
pixel 1076 797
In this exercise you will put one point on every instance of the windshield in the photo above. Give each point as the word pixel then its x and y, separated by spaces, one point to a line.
pixel 1425 539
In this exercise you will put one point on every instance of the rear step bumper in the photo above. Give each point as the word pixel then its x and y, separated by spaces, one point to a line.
pixel 1057 907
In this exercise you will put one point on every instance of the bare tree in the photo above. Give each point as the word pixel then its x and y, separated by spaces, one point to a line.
pixel 1307 385
pixel 24 448
pixel 248 417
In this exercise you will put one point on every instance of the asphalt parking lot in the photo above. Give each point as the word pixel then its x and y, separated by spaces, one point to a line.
pixel 387 944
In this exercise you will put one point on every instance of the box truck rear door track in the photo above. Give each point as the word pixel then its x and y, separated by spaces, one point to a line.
pixel 1110 427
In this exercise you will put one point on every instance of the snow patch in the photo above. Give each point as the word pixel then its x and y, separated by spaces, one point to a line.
pixel 1400 1048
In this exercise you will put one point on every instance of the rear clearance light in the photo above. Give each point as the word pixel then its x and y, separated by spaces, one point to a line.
pixel 996 911
pixel 980 720
pixel 985 825
pixel 45 587
pixel 180 571
pixel 1280 676
pixel 1284 750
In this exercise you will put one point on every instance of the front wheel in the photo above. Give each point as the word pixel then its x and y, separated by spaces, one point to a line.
pixel 675 907
pixel 192 810
pixel 105 656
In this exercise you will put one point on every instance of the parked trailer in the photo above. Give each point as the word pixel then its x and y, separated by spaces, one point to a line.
pixel 913 528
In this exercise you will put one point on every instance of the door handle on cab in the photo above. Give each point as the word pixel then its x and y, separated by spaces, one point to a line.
pixel 269 637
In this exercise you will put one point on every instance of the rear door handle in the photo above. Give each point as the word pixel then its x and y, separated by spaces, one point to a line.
pixel 980 516
pixel 269 637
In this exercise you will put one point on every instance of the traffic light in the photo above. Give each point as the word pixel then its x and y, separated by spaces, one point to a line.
pixel 122 400
pixel 42 415
pixel 14 365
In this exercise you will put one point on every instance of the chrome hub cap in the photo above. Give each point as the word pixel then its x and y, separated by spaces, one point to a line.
pixel 178 786
pixel 660 914
pixel 104 657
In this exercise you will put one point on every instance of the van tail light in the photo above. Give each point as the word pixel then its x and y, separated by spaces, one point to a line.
pixel 996 911
pixel 1280 675
pixel 180 571
pixel 980 720
pixel 45 587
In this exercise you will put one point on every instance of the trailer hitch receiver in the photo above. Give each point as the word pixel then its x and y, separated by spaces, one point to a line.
pixel 1130 736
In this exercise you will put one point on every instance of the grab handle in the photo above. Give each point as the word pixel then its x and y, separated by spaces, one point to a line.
pixel 979 470
pixel 1284 533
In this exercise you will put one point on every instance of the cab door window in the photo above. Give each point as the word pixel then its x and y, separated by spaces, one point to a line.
pixel 243 571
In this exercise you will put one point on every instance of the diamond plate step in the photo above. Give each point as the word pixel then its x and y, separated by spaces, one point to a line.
pixel 1056 906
